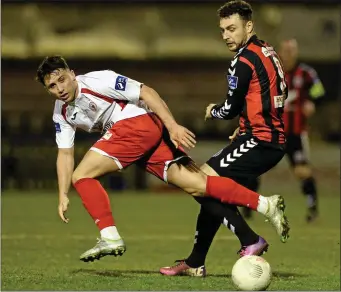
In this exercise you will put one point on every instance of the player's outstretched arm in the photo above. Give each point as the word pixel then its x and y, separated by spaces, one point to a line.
pixel 179 134
pixel 65 166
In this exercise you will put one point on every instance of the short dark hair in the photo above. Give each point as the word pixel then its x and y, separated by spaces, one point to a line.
pixel 240 7
pixel 48 65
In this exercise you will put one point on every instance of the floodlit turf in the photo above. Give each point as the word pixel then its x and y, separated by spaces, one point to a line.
pixel 39 252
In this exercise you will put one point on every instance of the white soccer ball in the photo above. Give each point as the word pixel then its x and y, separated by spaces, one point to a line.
pixel 251 273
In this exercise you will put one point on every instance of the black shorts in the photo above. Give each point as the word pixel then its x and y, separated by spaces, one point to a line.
pixel 245 159
pixel 297 149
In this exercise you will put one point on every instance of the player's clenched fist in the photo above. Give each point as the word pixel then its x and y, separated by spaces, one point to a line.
pixel 62 207
pixel 208 111
pixel 182 136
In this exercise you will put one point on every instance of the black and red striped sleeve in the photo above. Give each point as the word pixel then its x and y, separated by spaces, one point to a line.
pixel 239 78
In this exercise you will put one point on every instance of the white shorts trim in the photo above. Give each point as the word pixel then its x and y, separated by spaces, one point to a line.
pixel 167 164
pixel 107 155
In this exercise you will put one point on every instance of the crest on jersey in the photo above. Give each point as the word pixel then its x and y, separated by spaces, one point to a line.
pixel 92 106
pixel 233 81
pixel 121 83
pixel 57 126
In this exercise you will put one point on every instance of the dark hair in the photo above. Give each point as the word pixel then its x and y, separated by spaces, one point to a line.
pixel 240 7
pixel 48 65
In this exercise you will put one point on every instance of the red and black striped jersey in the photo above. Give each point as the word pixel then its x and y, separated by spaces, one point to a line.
pixel 303 84
pixel 257 91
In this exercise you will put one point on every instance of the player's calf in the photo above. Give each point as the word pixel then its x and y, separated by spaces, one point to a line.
pixel 308 187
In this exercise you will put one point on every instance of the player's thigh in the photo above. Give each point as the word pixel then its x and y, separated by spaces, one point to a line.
pixel 160 158
pixel 188 177
pixel 244 160
pixel 236 161
pixel 94 165
pixel 172 165
pixel 205 168
pixel 129 140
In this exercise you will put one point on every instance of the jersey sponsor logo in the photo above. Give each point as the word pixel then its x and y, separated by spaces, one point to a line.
pixel 233 81
pixel 57 126
pixel 92 106
pixel 121 83
pixel 279 101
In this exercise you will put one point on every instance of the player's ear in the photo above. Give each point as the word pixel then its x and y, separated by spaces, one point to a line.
pixel 249 26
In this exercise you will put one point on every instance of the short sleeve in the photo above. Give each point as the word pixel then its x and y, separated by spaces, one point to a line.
pixel 65 133
pixel 118 86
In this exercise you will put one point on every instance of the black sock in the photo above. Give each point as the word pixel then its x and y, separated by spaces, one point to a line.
pixel 309 189
pixel 229 216
pixel 212 214
pixel 207 227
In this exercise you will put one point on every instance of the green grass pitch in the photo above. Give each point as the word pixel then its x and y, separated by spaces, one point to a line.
pixel 39 252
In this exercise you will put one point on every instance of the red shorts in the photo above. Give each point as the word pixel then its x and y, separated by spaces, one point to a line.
pixel 142 140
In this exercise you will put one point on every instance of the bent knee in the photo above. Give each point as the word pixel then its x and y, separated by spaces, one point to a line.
pixel 302 171
pixel 193 192
pixel 198 188
pixel 77 175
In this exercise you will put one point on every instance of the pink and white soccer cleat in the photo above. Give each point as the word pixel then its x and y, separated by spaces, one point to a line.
pixel 182 269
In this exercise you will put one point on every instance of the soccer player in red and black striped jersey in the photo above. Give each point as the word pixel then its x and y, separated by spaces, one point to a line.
pixel 256 93
pixel 305 90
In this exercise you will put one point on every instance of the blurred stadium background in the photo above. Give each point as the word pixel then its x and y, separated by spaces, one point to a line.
pixel 174 47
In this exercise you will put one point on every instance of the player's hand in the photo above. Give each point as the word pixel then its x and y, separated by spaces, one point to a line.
pixel 180 135
pixel 234 135
pixel 308 108
pixel 208 111
pixel 62 207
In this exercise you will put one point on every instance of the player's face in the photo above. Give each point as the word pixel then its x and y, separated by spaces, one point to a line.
pixel 288 51
pixel 62 84
pixel 235 31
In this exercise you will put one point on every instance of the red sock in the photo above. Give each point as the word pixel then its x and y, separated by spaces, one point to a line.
pixel 95 199
pixel 228 191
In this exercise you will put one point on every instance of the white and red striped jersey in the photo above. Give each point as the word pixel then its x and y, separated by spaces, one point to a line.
pixel 104 98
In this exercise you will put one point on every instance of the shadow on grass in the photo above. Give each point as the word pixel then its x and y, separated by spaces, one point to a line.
pixel 130 273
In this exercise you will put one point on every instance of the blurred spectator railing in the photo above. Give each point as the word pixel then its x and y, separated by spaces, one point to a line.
pixel 136 31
